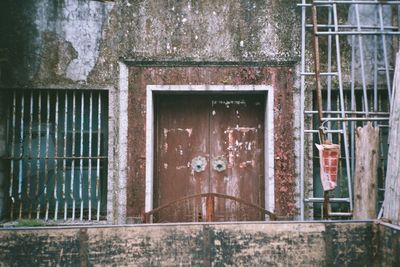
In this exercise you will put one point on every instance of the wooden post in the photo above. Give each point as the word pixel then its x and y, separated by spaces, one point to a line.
pixel 391 204
pixel 365 178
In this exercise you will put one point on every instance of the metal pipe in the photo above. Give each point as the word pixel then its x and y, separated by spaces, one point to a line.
pixel 337 32
pixel 352 103
pixel 363 27
pixel 370 2
pixel 333 214
pixel 327 131
pixel 355 119
pixel 329 91
pixel 332 199
pixel 321 74
pixel 385 54
pixel 361 48
pixel 335 19
pixel 308 112
pixel 375 73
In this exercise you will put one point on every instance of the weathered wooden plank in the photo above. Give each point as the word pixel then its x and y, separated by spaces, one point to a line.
pixel 392 188
pixel 365 178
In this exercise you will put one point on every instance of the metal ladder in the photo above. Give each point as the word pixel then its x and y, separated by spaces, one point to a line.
pixel 331 31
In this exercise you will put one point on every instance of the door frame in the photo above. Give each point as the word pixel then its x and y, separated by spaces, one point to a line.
pixel 268 132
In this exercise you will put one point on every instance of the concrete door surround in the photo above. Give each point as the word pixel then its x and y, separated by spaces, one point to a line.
pixel 268 138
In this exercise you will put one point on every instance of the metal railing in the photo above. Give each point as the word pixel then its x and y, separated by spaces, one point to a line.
pixel 57 154
pixel 183 210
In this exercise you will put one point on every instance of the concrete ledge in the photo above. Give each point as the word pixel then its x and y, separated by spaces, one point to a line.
pixel 349 243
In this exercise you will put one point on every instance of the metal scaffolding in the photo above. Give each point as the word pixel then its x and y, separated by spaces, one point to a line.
pixel 347 52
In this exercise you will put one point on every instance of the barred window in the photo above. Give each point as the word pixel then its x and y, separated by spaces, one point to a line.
pixel 57 154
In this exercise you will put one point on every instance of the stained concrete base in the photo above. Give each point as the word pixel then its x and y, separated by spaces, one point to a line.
pixel 350 243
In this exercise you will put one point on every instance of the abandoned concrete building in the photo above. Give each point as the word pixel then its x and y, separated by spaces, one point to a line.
pixel 183 133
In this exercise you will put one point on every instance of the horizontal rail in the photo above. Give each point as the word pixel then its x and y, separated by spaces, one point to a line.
pixel 329 3
pixel 336 214
pixel 326 131
pixel 55 158
pixel 356 119
pixel 321 73
pixel 357 33
pixel 363 27
pixel 347 112
pixel 321 200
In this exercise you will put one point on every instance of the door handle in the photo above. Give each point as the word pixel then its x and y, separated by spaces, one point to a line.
pixel 219 164
pixel 199 163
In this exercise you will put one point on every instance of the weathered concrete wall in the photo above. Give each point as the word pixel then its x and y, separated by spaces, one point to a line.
pixel 51 42
pixel 80 44
pixel 254 244
pixel 388 244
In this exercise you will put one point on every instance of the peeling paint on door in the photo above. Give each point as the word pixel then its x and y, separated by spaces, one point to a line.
pixel 211 144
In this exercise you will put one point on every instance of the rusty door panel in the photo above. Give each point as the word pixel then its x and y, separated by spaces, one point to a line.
pixel 237 138
pixel 223 134
pixel 181 136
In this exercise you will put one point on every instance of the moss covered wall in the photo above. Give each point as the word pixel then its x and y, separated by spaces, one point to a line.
pixel 64 42
pixel 250 244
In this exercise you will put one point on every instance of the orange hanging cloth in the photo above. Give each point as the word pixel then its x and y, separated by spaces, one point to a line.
pixel 328 160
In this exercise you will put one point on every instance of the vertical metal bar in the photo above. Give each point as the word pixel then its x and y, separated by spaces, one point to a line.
pixel 14 111
pixel 361 48
pixel 98 198
pixel 375 73
pixel 63 193
pixel 302 89
pixel 345 141
pixel 28 175
pixel 352 102
pixel 81 155
pixel 90 155
pixel 46 162
pixel 385 55
pixel 55 188
pixel 329 91
pixel 39 137
pixel 21 154
pixel 71 192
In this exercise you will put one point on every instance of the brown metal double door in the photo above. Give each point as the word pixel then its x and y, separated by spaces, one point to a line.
pixel 209 144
